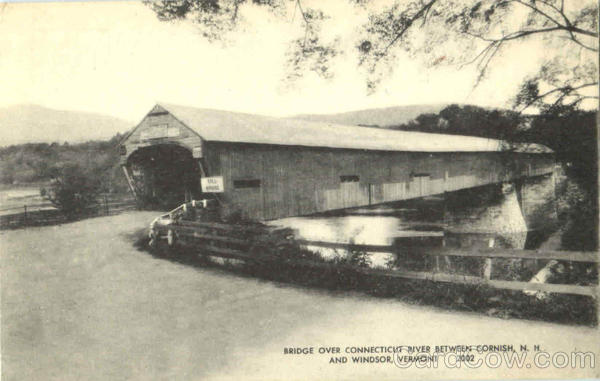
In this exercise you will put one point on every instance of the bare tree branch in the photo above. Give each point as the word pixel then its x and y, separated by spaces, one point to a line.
pixel 567 26
pixel 582 31
pixel 425 16
pixel 299 5
pixel 236 7
pixel 565 89
pixel 519 34
pixel 481 54
pixel 494 45
pixel 485 63
pixel 536 9
pixel 578 42
pixel 523 33
pixel 409 23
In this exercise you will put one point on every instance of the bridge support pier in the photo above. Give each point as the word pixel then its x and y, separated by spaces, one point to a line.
pixel 489 209
pixel 478 216
pixel 509 210
pixel 537 198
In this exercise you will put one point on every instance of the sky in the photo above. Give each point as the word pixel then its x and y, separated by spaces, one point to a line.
pixel 117 58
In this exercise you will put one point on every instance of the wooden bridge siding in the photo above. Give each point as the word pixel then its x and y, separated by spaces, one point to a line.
pixel 302 180
pixel 187 137
pixel 299 180
pixel 245 164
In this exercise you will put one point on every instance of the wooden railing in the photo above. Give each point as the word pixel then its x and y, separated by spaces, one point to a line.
pixel 222 240
pixel 485 279
pixel 40 214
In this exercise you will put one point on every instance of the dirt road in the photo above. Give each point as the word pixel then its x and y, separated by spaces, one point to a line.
pixel 80 302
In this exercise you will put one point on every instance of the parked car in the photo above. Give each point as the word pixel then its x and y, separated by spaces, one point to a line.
pixel 161 228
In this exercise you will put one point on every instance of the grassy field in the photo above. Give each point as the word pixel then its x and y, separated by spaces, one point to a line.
pixel 80 302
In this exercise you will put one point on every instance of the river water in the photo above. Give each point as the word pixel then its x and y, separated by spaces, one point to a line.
pixel 415 225
pixel 13 200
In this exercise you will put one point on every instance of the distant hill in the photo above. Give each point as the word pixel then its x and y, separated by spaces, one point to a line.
pixel 35 124
pixel 378 117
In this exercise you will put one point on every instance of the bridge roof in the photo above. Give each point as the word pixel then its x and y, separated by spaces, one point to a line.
pixel 227 126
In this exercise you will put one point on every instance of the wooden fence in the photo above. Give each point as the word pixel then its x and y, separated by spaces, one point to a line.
pixel 485 279
pixel 223 240
pixel 41 214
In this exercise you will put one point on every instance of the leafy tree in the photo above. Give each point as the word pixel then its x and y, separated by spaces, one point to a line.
pixel 440 32
pixel 573 138
pixel 40 162
pixel 73 190
pixel 470 120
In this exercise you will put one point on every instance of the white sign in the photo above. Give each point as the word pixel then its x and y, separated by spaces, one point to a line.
pixel 154 132
pixel 159 131
pixel 172 132
pixel 212 184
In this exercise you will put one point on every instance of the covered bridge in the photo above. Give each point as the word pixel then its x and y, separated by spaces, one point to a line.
pixel 276 167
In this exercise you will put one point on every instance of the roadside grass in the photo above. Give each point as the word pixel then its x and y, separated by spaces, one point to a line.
pixel 341 277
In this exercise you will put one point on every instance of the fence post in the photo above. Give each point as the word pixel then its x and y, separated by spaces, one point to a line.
pixel 25 215
pixel 487 269
pixel 487 266
pixel 446 258
pixel 437 257
pixel 105 205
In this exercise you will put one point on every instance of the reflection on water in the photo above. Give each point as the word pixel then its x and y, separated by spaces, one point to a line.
pixel 373 230
pixel 413 226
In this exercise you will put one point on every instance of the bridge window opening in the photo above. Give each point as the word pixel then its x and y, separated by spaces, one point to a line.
pixel 241 184
pixel 349 179
pixel 157 113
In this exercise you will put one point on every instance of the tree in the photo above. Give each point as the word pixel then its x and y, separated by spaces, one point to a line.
pixel 470 120
pixel 73 190
pixel 440 32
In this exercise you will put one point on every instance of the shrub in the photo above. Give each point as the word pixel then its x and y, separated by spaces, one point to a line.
pixel 73 191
